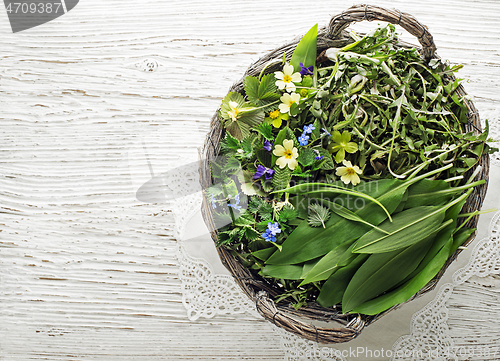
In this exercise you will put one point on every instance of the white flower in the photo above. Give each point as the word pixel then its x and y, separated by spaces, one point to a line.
pixel 233 113
pixel 287 78
pixel 288 154
pixel 287 101
pixel 349 173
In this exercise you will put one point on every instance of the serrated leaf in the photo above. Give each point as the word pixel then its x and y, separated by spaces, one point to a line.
pixel 251 85
pixel 328 163
pixel 306 157
pixel 266 130
pixel 267 86
pixel 281 177
pixel 240 128
pixel 318 215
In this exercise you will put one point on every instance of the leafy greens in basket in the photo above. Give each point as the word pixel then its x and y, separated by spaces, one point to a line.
pixel 342 175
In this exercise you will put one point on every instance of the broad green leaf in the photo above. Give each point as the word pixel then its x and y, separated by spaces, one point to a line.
pixel 460 238
pixel 263 254
pixel 267 87
pixel 240 128
pixel 281 177
pixel 327 265
pixel 305 52
pixel 408 227
pixel 306 157
pixel 334 287
pixel 407 290
pixel 348 214
pixel 382 271
pixel 289 272
pixel 266 130
pixel 306 243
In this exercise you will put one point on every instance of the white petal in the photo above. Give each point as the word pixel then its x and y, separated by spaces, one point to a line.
pixel 295 152
pixel 281 162
pixel 288 69
pixel 285 98
pixel 279 75
pixel 296 78
pixel 355 179
pixel 284 108
pixel 292 163
pixel 357 170
pixel 295 97
pixel 279 150
pixel 347 163
pixel 288 144
pixel 341 171
pixel 345 179
pixel 280 84
pixel 290 87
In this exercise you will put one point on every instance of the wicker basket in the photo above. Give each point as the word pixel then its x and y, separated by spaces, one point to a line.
pixel 309 322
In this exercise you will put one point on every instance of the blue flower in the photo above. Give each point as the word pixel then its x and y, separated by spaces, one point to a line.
pixel 306 70
pixel 213 202
pixel 326 132
pixel 261 170
pixel 267 146
pixel 274 228
pixel 308 129
pixel 319 157
pixel 237 199
pixel 269 236
pixel 303 139
pixel 234 206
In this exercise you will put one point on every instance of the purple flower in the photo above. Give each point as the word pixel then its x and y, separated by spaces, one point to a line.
pixel 274 228
pixel 261 170
pixel 308 129
pixel 269 236
pixel 303 139
pixel 306 70
pixel 267 146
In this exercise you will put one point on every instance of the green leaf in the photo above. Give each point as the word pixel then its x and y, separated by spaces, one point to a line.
pixel 305 52
pixel 251 85
pixel 406 291
pixel 348 214
pixel 334 287
pixel 289 272
pixel 266 130
pixel 408 227
pixel 263 254
pixel 318 215
pixel 306 157
pixel 382 271
pixel 267 88
pixel 281 177
pixel 326 265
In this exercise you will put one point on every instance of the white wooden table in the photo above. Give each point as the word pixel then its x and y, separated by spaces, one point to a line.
pixel 87 271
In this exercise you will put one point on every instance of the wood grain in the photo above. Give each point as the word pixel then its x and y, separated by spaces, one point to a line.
pixel 87 271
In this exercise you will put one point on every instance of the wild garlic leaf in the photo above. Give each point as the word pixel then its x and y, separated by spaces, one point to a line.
pixel 318 215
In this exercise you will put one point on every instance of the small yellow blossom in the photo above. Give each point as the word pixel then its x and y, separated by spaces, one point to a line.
pixel 349 173
pixel 288 154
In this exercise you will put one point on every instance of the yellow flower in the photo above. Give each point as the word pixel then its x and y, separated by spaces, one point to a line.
pixel 287 100
pixel 349 173
pixel 233 113
pixel 287 78
pixel 288 154
pixel 342 144
pixel 276 118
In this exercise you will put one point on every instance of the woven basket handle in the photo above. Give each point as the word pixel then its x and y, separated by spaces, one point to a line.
pixel 369 12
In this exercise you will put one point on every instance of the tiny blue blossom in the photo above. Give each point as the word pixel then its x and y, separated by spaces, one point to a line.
pixel 319 157
pixel 308 129
pixel 274 228
pixel 326 132
pixel 303 139
pixel 269 236
pixel 213 202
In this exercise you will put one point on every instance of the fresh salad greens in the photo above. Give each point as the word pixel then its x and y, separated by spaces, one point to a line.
pixel 341 177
